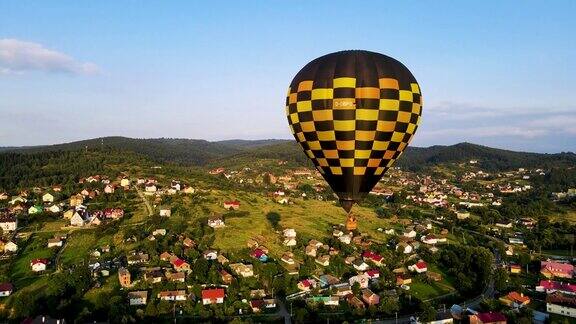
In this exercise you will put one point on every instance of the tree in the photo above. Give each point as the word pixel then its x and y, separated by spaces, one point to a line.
pixel 501 279
pixel 274 219
pixel 151 309
pixel 428 313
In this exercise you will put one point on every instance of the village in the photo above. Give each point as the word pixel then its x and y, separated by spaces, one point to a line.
pixel 250 242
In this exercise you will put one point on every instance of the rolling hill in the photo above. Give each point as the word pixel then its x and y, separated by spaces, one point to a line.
pixel 230 152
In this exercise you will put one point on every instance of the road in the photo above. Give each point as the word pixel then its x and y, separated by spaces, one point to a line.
pixel 146 202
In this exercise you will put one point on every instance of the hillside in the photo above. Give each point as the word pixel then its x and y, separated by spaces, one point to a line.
pixel 236 152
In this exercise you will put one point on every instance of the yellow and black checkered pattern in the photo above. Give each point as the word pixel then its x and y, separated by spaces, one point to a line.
pixel 353 113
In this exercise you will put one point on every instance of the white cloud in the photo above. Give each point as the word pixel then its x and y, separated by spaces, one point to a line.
pixel 17 56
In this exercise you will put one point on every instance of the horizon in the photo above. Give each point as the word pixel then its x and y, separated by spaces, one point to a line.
pixel 500 78
pixel 256 140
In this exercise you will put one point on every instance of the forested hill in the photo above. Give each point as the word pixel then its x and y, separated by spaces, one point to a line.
pixel 232 152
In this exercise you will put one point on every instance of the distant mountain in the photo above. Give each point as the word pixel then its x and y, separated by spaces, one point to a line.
pixel 240 143
pixel 177 150
pixel 488 158
pixel 230 152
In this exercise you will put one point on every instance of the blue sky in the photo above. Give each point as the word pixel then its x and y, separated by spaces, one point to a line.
pixel 499 73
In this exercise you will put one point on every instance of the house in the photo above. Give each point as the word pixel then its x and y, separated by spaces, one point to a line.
pixel 360 265
pixel 212 296
pixel 172 295
pixel 77 220
pixel 337 233
pixel 232 205
pixel 419 267
pixel 361 279
pixel 504 225
pixel 289 232
pixel 216 222
pixel 54 209
pixel 210 255
pixel 515 299
pixel 159 232
pixel 326 300
pixel 404 247
pixel 515 268
pixel 343 290
pixel 328 280
pixel 47 198
pixel 18 200
pixel 222 259
pixel 374 257
pixel 429 239
pixel 516 240
pixel 109 189
pixel 76 200
pixel 369 297
pixel 188 190
pixel 409 233
pixel 244 270
pixel 36 209
pixel 434 276
pixel 306 284
pixel 189 243
pixel 323 260
pixel 551 269
pixel 9 246
pixel 259 254
pixel 288 257
pixel 180 265
pixel 373 274
pixel 137 298
pixel 8 222
pixel 311 250
pixel 257 305
pixel 3 196
pixel 124 277
pixel 290 241
pixel 113 213
pixel 6 289
pixel 153 275
pixel 38 265
pixel 488 318
pixel 55 242
pixel 165 211
pixel 550 286
pixel 176 276
pixel 150 188
pixel 346 239
pixel 354 302
pixel 137 258
pixel 403 279
pixel 125 182
pixel 561 304
pixel 226 277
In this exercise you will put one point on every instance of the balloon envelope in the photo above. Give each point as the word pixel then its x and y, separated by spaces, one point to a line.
pixel 353 113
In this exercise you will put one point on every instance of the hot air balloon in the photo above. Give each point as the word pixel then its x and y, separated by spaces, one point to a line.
pixel 353 113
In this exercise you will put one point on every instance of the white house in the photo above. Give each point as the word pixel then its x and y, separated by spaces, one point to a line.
pixel 38 265
pixel 6 289
pixel 404 248
pixel 165 211
pixel 48 197
pixel 8 223
pixel 172 295
pixel 54 209
pixel 362 279
pixel 216 222
pixel 77 220
pixel 138 297
pixel 10 247
pixel 125 182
